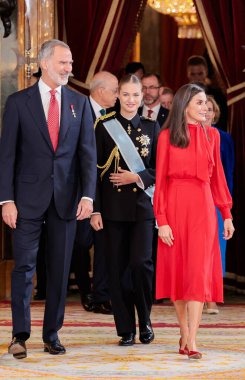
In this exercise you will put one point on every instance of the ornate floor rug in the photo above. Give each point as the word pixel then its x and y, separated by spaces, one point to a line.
pixel 93 353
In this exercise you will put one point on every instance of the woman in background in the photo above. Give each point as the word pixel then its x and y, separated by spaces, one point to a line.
pixel 190 182
pixel 228 160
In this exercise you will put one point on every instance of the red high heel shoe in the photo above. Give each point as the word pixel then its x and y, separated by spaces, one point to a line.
pixel 184 351
pixel 194 355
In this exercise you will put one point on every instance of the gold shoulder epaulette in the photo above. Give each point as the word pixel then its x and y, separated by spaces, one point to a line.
pixel 104 117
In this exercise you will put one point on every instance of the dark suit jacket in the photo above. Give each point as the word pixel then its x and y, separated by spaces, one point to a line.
pixel 128 202
pixel 161 117
pixel 30 171
pixel 92 111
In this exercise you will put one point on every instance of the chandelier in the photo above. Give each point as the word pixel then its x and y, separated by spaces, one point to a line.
pixel 184 13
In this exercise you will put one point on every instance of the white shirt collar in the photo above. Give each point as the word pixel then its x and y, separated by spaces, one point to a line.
pixel 44 88
pixel 96 107
pixel 154 109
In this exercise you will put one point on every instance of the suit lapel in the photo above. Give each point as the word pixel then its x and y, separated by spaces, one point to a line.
pixel 34 103
pixel 66 113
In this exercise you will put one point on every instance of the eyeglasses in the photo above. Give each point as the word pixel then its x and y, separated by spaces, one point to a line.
pixel 150 88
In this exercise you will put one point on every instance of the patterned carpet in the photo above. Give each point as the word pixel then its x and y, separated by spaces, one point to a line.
pixel 93 353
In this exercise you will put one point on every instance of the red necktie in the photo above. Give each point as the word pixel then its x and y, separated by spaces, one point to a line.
pixel 53 119
pixel 150 112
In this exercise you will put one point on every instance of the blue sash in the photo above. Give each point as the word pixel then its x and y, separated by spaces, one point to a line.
pixel 127 149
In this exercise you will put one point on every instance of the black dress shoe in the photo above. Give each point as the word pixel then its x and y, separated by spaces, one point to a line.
pixel 54 348
pixel 87 302
pixel 127 340
pixel 17 348
pixel 103 308
pixel 146 332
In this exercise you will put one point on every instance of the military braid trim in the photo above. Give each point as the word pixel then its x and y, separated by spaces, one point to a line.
pixel 101 118
pixel 114 154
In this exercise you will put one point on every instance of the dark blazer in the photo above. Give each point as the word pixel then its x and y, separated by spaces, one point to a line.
pixel 92 110
pixel 128 202
pixel 161 117
pixel 30 171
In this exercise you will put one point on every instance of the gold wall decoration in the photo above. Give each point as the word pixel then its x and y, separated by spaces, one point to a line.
pixel 38 27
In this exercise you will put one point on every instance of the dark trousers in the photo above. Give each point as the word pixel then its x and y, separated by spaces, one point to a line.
pixel 81 265
pixel 60 238
pixel 154 259
pixel 130 268
pixel 100 272
pixel 41 264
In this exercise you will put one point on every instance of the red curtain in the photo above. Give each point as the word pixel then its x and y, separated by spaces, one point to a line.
pixel 223 29
pixel 175 52
pixel 99 32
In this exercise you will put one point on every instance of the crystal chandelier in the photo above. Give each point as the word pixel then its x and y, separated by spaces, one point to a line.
pixel 184 13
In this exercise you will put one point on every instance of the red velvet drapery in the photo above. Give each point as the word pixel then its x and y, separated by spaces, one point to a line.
pixel 175 52
pixel 223 28
pixel 99 33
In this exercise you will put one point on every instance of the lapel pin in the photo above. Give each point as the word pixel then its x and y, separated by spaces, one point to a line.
pixel 73 110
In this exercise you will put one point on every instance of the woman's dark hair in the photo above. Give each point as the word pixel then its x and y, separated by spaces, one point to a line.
pixel 129 78
pixel 176 121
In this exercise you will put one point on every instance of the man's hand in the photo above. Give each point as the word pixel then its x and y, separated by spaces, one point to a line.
pixel 96 222
pixel 123 177
pixel 9 214
pixel 84 209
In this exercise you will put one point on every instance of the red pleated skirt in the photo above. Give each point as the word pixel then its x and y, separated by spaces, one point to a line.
pixel 191 269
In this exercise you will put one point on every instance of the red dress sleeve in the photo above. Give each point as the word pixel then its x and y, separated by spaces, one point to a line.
pixel 162 162
pixel 221 195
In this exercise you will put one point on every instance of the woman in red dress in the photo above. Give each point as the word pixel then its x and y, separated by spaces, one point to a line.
pixel 190 182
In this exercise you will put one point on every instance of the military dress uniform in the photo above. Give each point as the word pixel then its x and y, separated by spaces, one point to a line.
pixel 128 218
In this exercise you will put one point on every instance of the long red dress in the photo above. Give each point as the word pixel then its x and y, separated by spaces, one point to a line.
pixel 190 182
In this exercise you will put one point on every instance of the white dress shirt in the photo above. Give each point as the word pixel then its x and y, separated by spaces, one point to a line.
pixel 45 96
pixel 154 109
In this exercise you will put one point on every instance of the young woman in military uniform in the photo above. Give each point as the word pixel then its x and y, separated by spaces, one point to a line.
pixel 126 149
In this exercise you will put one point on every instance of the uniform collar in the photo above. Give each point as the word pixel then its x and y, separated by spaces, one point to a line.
pixel 134 121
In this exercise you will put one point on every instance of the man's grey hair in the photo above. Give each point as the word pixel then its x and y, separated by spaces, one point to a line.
pixel 100 79
pixel 47 48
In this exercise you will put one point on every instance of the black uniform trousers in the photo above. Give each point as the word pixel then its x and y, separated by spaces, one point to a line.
pixel 100 273
pixel 60 239
pixel 130 269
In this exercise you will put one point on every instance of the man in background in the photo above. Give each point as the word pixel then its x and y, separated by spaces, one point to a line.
pixel 96 298
pixel 152 109
pixel 197 72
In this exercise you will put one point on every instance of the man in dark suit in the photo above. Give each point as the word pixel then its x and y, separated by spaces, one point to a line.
pixel 103 96
pixel 151 85
pixel 47 144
